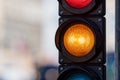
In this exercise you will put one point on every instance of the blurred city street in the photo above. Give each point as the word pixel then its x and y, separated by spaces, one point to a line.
pixel 27 39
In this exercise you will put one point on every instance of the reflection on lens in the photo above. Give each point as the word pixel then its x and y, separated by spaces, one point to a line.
pixel 79 76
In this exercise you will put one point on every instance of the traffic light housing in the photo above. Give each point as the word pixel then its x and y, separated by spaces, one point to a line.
pixel 82 72
pixel 81 40
pixel 97 54
pixel 93 8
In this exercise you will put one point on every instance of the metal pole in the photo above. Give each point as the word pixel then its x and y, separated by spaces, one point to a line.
pixel 117 41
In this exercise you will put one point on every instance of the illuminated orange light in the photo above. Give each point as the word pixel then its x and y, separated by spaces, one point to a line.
pixel 79 40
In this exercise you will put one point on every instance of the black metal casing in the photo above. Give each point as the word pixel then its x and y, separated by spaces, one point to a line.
pixel 97 55
pixel 93 17
pixel 96 72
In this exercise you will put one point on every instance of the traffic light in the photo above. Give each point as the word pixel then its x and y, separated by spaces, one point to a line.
pixel 81 41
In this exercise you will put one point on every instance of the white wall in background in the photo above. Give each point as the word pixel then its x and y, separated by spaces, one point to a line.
pixel 110 22
pixel 1 21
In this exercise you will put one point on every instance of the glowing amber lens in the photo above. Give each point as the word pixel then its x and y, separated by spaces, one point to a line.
pixel 79 40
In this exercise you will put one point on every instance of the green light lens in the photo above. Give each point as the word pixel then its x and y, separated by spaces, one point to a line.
pixel 79 76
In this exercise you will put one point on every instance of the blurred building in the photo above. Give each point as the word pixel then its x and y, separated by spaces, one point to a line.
pixel 20 33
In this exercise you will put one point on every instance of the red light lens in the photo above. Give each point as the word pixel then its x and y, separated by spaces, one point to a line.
pixel 78 3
